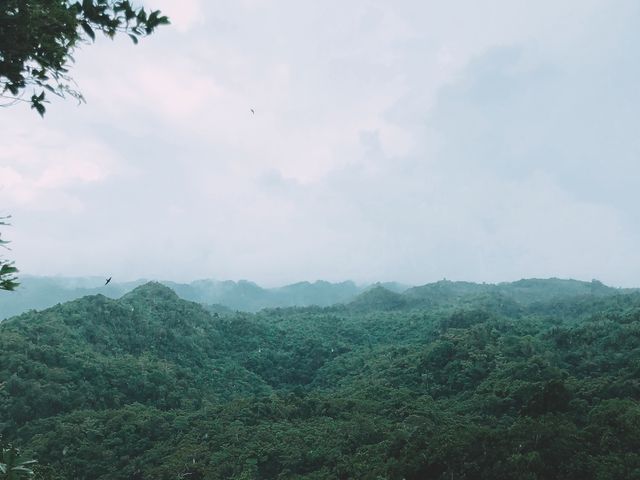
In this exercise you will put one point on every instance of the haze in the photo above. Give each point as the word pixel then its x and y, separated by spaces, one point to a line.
pixel 407 141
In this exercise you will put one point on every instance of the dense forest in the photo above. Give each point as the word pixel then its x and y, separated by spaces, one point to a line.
pixel 536 379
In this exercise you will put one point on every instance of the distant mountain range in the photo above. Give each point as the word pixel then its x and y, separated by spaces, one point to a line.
pixel 37 293
pixel 507 297
pixel 225 296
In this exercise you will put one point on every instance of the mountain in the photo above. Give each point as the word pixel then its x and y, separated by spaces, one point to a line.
pixel 378 298
pixel 36 293
pixel 507 296
pixel 520 381
pixel 96 352
pixel 222 296
pixel 43 292
pixel 319 293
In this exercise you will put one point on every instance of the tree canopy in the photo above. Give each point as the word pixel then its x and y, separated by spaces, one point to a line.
pixel 38 38
pixel 7 270
pixel 154 387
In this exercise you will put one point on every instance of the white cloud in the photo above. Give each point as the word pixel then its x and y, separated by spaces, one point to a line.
pixel 43 168
pixel 183 14
pixel 407 140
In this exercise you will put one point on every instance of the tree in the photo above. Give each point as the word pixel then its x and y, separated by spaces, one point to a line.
pixel 38 38
pixel 7 270
pixel 12 465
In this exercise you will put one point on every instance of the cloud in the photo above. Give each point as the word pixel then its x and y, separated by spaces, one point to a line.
pixel 184 15
pixel 44 168
pixel 407 141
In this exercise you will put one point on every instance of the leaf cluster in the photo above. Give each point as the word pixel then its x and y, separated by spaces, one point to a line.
pixel 38 38
pixel 13 465
pixel 8 280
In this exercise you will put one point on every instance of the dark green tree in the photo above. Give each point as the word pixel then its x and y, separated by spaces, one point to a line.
pixel 7 270
pixel 38 38
pixel 12 465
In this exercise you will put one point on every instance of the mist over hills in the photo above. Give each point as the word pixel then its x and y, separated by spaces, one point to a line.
pixel 43 292
pixel 448 293
pixel 222 296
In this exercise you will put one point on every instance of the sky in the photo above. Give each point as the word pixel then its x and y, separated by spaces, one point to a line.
pixel 404 141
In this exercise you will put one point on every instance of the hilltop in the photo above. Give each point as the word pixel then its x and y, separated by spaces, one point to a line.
pixel 37 293
pixel 514 378
pixel 526 292
pixel 224 296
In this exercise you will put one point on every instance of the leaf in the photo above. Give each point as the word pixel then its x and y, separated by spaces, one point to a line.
pixel 22 469
pixel 128 12
pixel 7 269
pixel 39 108
pixel 134 38
pixel 88 30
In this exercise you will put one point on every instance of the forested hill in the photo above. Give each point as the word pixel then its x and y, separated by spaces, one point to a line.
pixel 526 292
pixel 43 292
pixel 439 383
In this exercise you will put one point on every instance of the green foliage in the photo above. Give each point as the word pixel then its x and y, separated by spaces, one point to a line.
pixel 38 37
pixel 154 387
pixel 13 465
pixel 8 280
pixel 7 275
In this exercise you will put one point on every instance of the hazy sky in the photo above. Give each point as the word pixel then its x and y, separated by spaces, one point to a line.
pixel 404 140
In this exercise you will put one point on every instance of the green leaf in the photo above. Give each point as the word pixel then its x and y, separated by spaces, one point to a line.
pixel 88 30
pixel 7 269
pixel 134 38
pixel 39 108
pixel 22 469
pixel 128 12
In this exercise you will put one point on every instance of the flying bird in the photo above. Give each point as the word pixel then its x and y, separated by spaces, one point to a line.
pixel 108 280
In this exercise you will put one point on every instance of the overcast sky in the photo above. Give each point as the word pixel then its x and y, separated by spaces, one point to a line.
pixel 391 140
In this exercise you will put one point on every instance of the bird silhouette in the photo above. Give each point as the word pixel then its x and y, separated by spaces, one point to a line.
pixel 108 280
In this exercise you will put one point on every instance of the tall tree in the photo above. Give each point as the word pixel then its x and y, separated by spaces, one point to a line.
pixel 38 38
pixel 7 270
